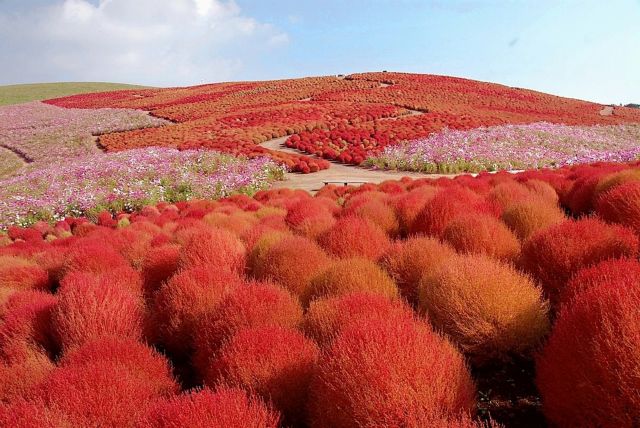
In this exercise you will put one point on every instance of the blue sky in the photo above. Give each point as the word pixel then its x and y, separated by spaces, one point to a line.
pixel 583 49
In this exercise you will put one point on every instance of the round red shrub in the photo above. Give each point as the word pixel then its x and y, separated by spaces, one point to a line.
pixel 310 217
pixel 589 372
pixel 255 305
pixel 19 376
pixel 327 317
pixel 89 309
pixel 621 205
pixel 290 262
pixel 93 257
pixel 507 193
pixel 183 300
pixel 22 274
pixel 216 247
pixel 407 261
pixel 159 265
pixel 389 373
pixel 26 325
pixel 353 236
pixel 622 272
pixel 445 206
pixel 130 355
pixel 351 275
pixel 275 362
pixel 482 234
pixel 555 254
pixel 488 308
pixel 224 408
pixel 530 215
pixel 408 205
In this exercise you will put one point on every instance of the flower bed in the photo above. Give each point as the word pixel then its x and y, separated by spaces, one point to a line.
pixel 44 133
pixel 509 147
pixel 128 180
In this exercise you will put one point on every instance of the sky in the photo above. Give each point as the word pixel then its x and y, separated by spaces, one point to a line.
pixel 587 49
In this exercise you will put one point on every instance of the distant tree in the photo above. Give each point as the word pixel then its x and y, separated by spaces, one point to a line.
pixel 632 105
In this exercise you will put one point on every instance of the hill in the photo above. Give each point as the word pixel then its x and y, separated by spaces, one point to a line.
pixel 15 94
pixel 345 119
pixel 633 105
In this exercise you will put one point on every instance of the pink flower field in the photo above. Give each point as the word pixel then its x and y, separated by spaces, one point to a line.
pixel 537 145
pixel 35 133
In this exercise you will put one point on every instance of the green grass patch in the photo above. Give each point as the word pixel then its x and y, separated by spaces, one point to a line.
pixel 16 94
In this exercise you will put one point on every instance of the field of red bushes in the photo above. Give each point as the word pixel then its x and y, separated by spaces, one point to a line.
pixel 500 300
pixel 341 119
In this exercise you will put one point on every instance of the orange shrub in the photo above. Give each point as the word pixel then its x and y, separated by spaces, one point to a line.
pixel 482 234
pixel 554 254
pixel 589 372
pixel 486 307
pixel 327 317
pixel 224 408
pixel 393 372
pixel 507 193
pixel 542 190
pixel 611 181
pixel 215 247
pixel 275 362
pixel 353 236
pixel 182 301
pixel 351 275
pixel 621 205
pixel 407 261
pixel 530 215
pixel 236 223
pixel 377 210
pixel 255 305
pixel 291 262
pixel 22 274
pixel 93 257
pixel 621 272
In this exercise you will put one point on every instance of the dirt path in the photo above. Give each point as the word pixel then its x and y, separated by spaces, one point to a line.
pixel 606 111
pixel 337 173
pixel 26 159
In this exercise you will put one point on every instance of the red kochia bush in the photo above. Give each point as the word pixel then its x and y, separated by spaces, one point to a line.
pixel 290 262
pixel 22 274
pixel 389 373
pixel 224 408
pixel 589 372
pixel 326 317
pixel 25 326
pixel 18 377
pixel 216 247
pixel 407 261
pixel 408 205
pixel 127 354
pixel 89 309
pixel 351 275
pixel 159 265
pixel 255 305
pixel 377 210
pixel 488 308
pixel 275 362
pixel 353 236
pixel 183 300
pixel 483 234
pixel 448 204
pixel 554 254
pixel 621 205
pixel 622 272
pixel 310 217
pixel 94 257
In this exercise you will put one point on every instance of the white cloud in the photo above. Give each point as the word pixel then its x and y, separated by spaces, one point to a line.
pixel 157 42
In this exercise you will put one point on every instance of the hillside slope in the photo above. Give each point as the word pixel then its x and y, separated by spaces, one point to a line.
pixel 15 94
pixel 343 119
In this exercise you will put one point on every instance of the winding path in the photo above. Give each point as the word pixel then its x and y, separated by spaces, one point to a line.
pixel 338 172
